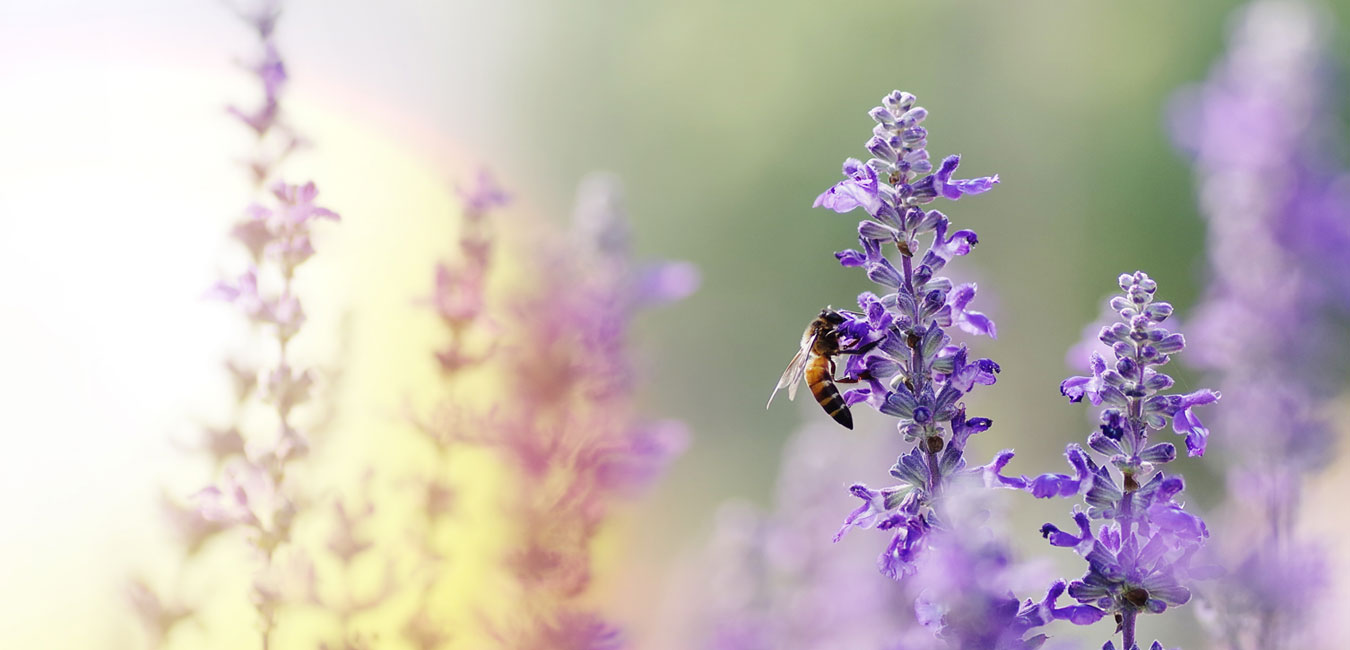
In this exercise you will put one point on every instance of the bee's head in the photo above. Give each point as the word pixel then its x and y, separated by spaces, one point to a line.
pixel 831 316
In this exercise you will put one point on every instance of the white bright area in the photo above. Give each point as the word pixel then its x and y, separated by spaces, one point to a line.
pixel 118 181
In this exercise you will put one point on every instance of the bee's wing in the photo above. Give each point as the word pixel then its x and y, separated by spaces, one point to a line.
pixel 795 371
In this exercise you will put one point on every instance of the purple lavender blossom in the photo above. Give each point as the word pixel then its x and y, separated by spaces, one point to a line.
pixel 484 195
pixel 568 425
pixel 249 493
pixel 275 139
pixel 460 300
pixel 898 346
pixel 1262 133
pixel 268 68
pixel 967 577
pixel 1140 556
pixel 461 286
pixel 253 493
pixel 897 341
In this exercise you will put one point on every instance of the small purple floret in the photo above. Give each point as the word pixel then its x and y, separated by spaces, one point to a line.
pixel 859 190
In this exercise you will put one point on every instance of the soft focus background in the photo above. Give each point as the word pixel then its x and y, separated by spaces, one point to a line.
pixel 118 181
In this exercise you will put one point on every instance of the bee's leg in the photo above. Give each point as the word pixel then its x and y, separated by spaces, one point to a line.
pixel 865 348
pixel 834 372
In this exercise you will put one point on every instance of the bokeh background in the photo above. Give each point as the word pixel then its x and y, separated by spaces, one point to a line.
pixel 118 179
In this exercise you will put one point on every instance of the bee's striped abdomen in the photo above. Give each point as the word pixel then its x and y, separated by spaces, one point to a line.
pixel 826 393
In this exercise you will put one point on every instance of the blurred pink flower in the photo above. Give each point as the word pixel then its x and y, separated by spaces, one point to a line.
pixel 287 388
pixel 297 202
pixel 484 195
pixel 243 292
pixel 247 496
pixel 459 294
pixel 157 617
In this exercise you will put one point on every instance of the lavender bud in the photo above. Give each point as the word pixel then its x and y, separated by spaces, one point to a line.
pixel 1163 452
pixel 889 216
pixel 913 116
pixel 1104 444
pixel 930 220
pixel 922 274
pixel 916 156
pixel 898 101
pixel 1171 344
pixel 1127 366
pixel 1158 381
pixel 1159 311
pixel 876 232
pixel 882 166
pixel 881 150
pixel 883 272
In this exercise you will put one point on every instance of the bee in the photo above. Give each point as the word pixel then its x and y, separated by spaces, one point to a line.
pixel 815 362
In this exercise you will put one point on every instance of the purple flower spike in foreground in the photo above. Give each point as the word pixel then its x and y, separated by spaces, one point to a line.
pixel 898 348
pixel 1139 557
pixel 897 342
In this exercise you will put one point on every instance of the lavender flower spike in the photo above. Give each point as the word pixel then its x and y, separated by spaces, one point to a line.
pixel 1264 134
pixel 897 341
pixel 899 349
pixel 1139 557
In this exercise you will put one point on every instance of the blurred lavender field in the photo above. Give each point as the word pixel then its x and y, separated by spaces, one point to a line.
pixel 512 396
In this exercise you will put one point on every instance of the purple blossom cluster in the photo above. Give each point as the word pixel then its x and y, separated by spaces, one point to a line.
pixel 1140 555
pixel 460 302
pixel 252 493
pixel 277 240
pixel 897 341
pixel 568 429
pixel 350 543
pixel 899 347
pixel 1139 558
pixel 275 139
pixel 461 286
pixel 964 585
pixel 1262 132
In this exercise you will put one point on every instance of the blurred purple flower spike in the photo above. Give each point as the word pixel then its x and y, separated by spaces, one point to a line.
pixel 1266 139
pixel 484 195
pixel 570 422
